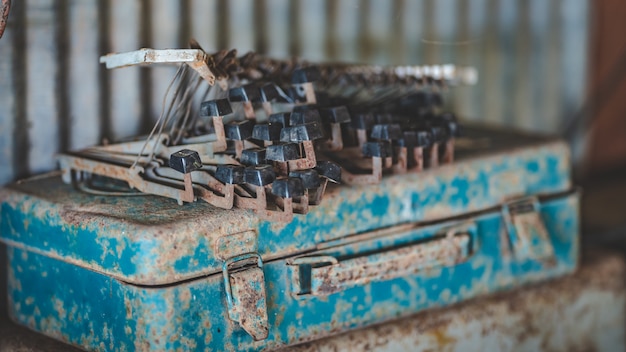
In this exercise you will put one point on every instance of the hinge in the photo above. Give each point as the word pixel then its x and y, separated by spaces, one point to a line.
pixel 527 233
pixel 245 293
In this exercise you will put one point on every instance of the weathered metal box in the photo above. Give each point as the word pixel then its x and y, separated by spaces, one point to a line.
pixel 143 273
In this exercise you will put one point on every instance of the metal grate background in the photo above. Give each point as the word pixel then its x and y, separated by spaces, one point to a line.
pixel 54 96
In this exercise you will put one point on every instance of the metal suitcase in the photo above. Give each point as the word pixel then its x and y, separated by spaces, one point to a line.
pixel 143 273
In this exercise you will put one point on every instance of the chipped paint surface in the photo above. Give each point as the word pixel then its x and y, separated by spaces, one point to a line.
pixel 109 314
pixel 372 253
pixel 580 312
pixel 151 240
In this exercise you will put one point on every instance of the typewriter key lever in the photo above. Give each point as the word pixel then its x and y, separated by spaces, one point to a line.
pixel 185 161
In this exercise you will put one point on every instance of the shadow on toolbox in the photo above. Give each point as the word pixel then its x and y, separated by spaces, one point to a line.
pixel 277 202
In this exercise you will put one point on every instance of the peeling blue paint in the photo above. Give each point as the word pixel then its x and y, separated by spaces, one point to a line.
pixel 71 223
pixel 194 314
pixel 140 273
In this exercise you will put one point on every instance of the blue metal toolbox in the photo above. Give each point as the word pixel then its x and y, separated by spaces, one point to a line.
pixel 143 273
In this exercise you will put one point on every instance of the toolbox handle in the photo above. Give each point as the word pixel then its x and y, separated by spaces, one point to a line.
pixel 331 275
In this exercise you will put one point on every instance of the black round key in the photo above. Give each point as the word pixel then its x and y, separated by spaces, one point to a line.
pixel 270 92
pixel 288 187
pixel 259 175
pixel 239 131
pixel 249 92
pixel 439 133
pixel 296 94
pixel 424 138
pixel 230 174
pixel 267 131
pixel 281 118
pixel 381 149
pixel 285 134
pixel 185 161
pixel 302 117
pixel 253 156
pixel 219 107
pixel 282 152
pixel 329 170
pixel 310 178
pixel 386 132
pixel 306 132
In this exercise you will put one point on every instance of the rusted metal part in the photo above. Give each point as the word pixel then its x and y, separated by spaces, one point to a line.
pixel 418 155
pixel 195 58
pixel 318 192
pixel 224 65
pixel 284 214
pixel 484 174
pixel 267 108
pixel 245 295
pixel 248 110
pixel 220 144
pixel 527 231
pixel 196 314
pixel 262 78
pixel 309 93
pixel 361 136
pixel 391 238
pixel 5 6
pixel 336 141
pixel 341 275
pixel 145 179
pixel 301 204
pixel 433 160
pixel 580 312
pixel 188 195
pixel 360 179
pixel 402 160
pixel 308 162
pixel 232 245
pixel 282 167
pixel 290 206
pixel 448 154
pixel 258 200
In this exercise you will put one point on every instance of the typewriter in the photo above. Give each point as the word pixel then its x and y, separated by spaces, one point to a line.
pixel 280 201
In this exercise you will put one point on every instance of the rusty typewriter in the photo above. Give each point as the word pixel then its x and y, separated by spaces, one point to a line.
pixel 255 133
pixel 280 201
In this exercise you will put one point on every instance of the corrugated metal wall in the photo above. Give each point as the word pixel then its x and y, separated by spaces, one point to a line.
pixel 531 57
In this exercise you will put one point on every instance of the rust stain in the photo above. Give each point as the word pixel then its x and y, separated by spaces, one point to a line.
pixel 572 313
pixel 442 338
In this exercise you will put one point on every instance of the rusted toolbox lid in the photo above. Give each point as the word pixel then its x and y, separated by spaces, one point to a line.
pixel 151 240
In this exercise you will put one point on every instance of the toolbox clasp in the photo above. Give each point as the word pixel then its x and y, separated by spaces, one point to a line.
pixel 526 231
pixel 245 293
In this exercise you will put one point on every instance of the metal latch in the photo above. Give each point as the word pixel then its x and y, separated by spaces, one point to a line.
pixel 245 294
pixel 527 233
